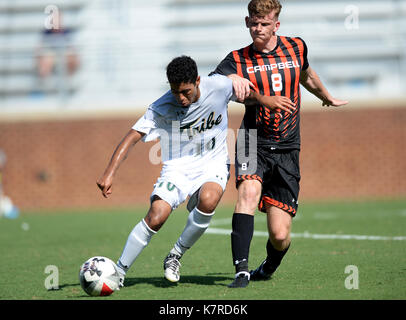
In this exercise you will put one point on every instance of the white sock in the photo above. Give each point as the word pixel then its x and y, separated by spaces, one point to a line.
pixel 136 242
pixel 196 225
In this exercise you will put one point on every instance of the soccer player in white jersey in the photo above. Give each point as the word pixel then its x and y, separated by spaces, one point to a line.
pixel 191 122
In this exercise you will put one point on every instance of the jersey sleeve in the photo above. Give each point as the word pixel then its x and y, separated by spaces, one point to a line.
pixel 226 67
pixel 148 124
pixel 229 89
pixel 224 85
pixel 227 84
pixel 305 61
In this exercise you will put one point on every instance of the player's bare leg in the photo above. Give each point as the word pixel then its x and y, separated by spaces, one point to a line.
pixel 46 64
pixel 142 233
pixel 158 213
pixel 198 221
pixel 209 197
pixel 279 227
pixel 249 193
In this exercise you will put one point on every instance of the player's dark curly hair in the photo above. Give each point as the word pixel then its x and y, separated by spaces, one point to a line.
pixel 182 69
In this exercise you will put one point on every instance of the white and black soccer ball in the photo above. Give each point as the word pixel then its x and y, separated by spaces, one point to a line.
pixel 99 276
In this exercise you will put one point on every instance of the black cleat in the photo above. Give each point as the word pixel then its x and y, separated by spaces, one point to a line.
pixel 259 273
pixel 241 280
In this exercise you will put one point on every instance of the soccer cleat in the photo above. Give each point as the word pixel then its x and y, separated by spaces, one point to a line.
pixel 259 273
pixel 241 280
pixel 171 267
pixel 121 272
pixel 121 282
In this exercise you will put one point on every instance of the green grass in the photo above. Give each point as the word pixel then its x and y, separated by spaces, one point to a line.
pixel 312 269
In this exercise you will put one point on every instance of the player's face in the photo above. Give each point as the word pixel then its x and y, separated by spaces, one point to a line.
pixel 186 93
pixel 262 29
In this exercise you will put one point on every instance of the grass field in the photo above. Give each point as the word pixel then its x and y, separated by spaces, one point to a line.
pixel 326 239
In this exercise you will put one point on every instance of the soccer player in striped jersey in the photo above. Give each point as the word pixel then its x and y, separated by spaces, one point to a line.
pixel 191 122
pixel 270 70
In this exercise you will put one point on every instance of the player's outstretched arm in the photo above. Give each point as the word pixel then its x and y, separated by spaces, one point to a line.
pixel 275 103
pixel 241 86
pixel 311 81
pixel 245 91
pixel 105 182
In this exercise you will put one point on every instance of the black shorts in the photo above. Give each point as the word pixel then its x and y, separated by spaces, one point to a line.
pixel 277 170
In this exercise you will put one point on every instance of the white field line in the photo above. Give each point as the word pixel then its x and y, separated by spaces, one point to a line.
pixel 307 235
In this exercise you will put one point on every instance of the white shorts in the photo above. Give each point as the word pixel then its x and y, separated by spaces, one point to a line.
pixel 175 185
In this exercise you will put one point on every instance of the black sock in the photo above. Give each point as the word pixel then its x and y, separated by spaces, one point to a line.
pixel 274 258
pixel 243 229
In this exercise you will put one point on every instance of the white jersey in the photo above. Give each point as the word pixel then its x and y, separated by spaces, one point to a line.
pixel 190 136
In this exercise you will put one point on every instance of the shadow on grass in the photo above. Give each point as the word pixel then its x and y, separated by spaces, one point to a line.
pixel 211 279
pixel 68 285
pixel 161 282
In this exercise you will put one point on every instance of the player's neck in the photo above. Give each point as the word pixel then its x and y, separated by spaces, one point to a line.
pixel 268 46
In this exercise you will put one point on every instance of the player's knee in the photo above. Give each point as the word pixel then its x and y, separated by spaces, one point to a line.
pixel 208 201
pixel 154 222
pixel 280 239
pixel 249 196
pixel 156 217
pixel 280 236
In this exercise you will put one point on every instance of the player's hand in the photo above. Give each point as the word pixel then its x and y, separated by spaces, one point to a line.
pixel 278 103
pixel 105 185
pixel 242 87
pixel 334 102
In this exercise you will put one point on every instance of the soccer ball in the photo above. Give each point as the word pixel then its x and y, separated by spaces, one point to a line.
pixel 99 276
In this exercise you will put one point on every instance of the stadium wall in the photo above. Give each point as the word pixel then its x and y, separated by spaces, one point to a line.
pixel 346 155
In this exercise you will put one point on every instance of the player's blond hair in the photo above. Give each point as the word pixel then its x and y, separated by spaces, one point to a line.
pixel 261 8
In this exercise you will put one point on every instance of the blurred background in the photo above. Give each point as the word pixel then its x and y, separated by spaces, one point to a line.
pixel 75 75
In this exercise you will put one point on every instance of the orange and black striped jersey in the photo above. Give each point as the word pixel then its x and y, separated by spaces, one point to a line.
pixel 273 73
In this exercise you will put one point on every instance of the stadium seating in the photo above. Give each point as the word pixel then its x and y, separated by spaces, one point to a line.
pixel 358 49
pixel 21 25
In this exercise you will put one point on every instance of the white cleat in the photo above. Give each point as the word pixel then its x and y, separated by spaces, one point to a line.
pixel 171 267
pixel 120 270
pixel 121 283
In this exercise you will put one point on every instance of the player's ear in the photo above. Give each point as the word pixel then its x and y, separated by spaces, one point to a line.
pixel 247 20
pixel 197 81
pixel 277 25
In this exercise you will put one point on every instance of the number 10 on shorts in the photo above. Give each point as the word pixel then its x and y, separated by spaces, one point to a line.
pixel 170 186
